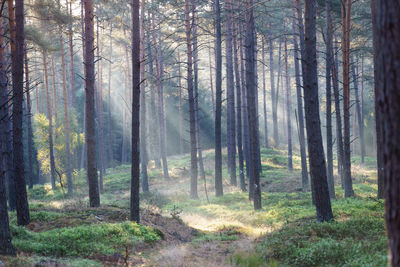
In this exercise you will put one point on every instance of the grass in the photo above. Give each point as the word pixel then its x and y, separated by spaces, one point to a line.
pixel 285 229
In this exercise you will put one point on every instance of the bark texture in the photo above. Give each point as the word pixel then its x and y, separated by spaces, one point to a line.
pixel 387 98
pixel 313 123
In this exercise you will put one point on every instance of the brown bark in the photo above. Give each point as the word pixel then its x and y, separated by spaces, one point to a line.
pixel 22 206
pixel 288 107
pixel 218 100
pixel 230 96
pixel 143 123
pixel 6 247
pixel 346 15
pixel 90 135
pixel 252 104
pixel 386 31
pixel 192 115
pixel 311 103
pixel 134 202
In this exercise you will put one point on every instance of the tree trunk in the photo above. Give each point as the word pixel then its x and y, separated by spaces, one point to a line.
pixel 22 206
pixel 230 96
pixel 154 133
pixel 50 129
pixel 71 55
pixel 339 135
pixel 288 107
pixel 196 94
pixel 99 109
pixel 329 62
pixel 302 141
pixel 29 120
pixel 272 85
pixel 346 14
pixel 211 81
pixel 53 76
pixel 192 112
pixel 377 85
pixel 11 175
pixel 110 134
pixel 90 135
pixel 218 101
pixel 181 139
pixel 358 111
pixel 275 97
pixel 387 59
pixel 313 123
pixel 135 111
pixel 246 140
pixel 252 104
pixel 264 96
pixel 161 112
pixel 143 125
pixel 6 247
pixel 68 163
pixel 238 111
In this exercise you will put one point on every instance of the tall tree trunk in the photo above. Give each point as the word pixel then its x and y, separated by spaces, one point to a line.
pixel 238 110
pixel 135 111
pixel 53 76
pixel 264 95
pixel 275 96
pixel 154 133
pixel 377 85
pixel 11 175
pixel 181 139
pixel 196 94
pixel 386 29
pixel 90 135
pixel 99 109
pixel 143 125
pixel 230 95
pixel 346 14
pixel 339 134
pixel 211 81
pixel 29 120
pixel 192 112
pixel 68 163
pixel 272 85
pixel 246 140
pixel 50 129
pixel 161 112
pixel 302 141
pixel 313 123
pixel 329 62
pixel 288 108
pixel 218 100
pixel 252 104
pixel 6 247
pixel 110 134
pixel 71 54
pixel 358 111
pixel 22 206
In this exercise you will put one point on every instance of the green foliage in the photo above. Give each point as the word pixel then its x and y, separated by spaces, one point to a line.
pixel 41 139
pixel 85 240
pixel 357 241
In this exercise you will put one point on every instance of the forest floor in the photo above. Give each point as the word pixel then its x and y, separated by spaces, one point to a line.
pixel 224 231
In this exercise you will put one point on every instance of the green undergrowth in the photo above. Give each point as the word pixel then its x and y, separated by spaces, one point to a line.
pixel 354 242
pixel 85 240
